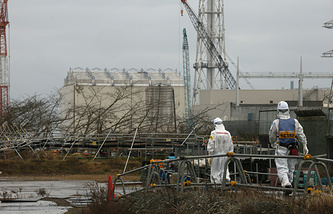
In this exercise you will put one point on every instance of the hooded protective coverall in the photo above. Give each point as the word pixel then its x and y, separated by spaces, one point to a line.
pixel 220 142
pixel 286 167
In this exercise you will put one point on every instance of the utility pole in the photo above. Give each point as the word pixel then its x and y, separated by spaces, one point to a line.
pixel 300 85
pixel 328 25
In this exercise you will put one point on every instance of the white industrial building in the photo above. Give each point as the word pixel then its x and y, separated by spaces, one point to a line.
pixel 97 99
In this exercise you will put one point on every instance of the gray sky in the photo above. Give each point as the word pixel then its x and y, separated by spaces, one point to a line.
pixel 48 37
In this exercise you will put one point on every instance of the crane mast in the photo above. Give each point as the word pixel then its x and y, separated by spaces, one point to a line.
pixel 4 71
pixel 216 57
pixel 187 76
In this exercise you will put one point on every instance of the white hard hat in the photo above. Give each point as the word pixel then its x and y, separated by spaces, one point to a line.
pixel 282 105
pixel 217 120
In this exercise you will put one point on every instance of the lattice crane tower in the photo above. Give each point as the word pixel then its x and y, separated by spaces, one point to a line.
pixel 187 75
pixel 206 77
pixel 4 71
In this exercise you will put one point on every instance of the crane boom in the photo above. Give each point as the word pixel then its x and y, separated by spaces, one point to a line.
pixel 207 40
pixel 187 75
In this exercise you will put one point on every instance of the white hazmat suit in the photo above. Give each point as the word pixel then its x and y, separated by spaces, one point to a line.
pixel 220 142
pixel 286 167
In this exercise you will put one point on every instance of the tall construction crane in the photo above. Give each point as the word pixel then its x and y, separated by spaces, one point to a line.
pixel 4 73
pixel 208 42
pixel 187 76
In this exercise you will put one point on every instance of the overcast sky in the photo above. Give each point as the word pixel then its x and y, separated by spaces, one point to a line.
pixel 48 37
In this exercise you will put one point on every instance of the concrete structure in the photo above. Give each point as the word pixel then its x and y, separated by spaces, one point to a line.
pixel 96 99
pixel 251 101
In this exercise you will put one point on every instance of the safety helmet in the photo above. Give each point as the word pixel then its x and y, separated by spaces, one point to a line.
pixel 217 121
pixel 282 105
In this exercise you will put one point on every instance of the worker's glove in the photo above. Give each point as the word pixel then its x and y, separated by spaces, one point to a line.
pixel 209 161
pixel 305 149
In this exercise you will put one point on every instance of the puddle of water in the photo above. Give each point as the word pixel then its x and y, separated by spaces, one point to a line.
pixel 72 191
pixel 39 207
pixel 58 189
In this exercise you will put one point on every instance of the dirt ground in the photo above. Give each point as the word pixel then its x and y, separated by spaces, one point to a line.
pixel 75 211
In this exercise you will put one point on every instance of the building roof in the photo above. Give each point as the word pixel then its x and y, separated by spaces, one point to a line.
pixel 310 112
pixel 122 77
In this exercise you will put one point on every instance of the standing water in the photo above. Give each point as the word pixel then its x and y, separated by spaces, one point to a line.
pixel 26 196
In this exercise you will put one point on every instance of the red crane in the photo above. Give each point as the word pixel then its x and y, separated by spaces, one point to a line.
pixel 4 73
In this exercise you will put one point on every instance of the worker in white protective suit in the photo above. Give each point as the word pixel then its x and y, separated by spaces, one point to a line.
pixel 283 134
pixel 220 142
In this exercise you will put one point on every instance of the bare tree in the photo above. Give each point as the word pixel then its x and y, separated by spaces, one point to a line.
pixel 97 110
pixel 34 114
pixel 121 110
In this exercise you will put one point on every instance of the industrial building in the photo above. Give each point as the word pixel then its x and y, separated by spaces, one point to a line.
pixel 121 98
pixel 251 101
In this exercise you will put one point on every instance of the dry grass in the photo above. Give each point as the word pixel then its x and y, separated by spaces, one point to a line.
pixel 321 203
pixel 69 169
pixel 213 201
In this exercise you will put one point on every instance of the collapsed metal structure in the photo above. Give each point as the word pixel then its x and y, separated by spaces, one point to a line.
pixel 14 139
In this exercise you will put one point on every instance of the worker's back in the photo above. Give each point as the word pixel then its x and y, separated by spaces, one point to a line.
pixel 223 142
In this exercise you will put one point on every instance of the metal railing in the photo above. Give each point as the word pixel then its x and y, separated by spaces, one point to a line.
pixel 158 173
